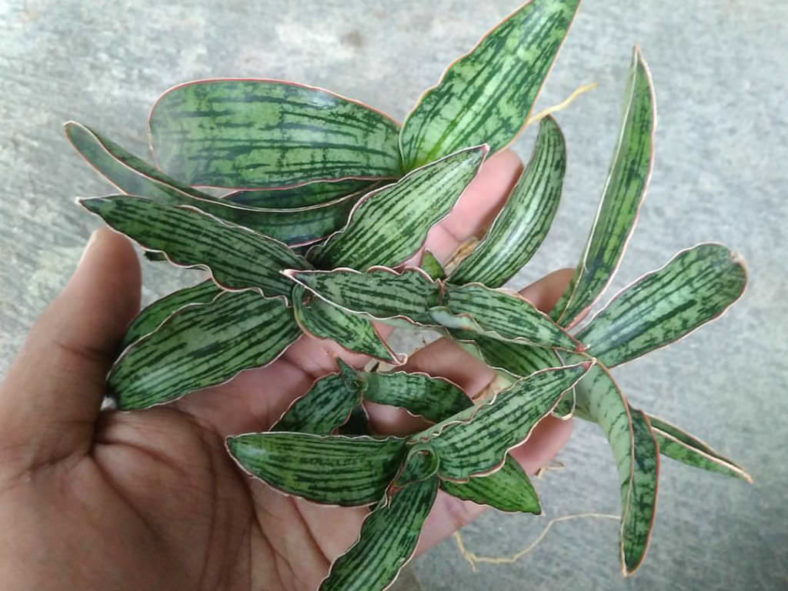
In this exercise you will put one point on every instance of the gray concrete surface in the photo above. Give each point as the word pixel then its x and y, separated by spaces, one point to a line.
pixel 721 174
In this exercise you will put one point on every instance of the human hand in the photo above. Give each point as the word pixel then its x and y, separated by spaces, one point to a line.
pixel 150 499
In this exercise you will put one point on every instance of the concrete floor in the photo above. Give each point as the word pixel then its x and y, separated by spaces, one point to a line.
pixel 721 175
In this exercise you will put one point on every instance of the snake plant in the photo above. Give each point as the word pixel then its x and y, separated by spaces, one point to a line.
pixel 324 205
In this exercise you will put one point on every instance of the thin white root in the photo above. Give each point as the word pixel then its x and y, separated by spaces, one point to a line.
pixel 474 559
pixel 562 105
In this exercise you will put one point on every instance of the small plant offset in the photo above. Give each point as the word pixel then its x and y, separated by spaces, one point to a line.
pixel 326 200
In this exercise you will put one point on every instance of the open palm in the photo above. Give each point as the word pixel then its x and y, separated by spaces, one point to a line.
pixel 150 499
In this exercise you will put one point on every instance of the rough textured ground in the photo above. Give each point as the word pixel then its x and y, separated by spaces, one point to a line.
pixel 722 148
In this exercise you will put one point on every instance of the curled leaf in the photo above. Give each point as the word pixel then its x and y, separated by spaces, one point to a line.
pixel 522 224
pixel 624 191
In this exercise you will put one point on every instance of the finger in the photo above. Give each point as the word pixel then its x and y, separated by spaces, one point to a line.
pixel 256 399
pixel 53 391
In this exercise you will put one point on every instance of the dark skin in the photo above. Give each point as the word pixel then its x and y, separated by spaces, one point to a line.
pixel 150 499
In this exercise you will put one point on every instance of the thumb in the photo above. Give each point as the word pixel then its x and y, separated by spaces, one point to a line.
pixel 52 394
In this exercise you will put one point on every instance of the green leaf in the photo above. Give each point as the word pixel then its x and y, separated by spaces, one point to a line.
pixel 201 346
pixel 498 314
pixel 387 541
pixel 433 398
pixel 507 489
pixel 318 193
pixel 422 463
pixel 380 293
pixel 432 266
pixel 679 445
pixel 636 455
pixel 523 223
pixel 351 331
pixel 476 440
pixel 155 314
pixel 696 286
pixel 624 191
pixel 326 406
pixel 330 469
pixel 134 176
pixel 256 134
pixel 237 257
pixel 514 358
pixel 486 95
pixel 391 223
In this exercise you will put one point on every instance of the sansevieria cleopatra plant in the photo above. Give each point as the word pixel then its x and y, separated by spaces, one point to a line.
pixel 325 207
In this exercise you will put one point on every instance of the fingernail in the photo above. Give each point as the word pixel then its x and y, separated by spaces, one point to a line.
pixel 90 242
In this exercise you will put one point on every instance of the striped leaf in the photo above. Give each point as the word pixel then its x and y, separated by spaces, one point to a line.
pixel 433 398
pixel 351 331
pixel 134 176
pixel 155 314
pixel 696 286
pixel 432 266
pixel 256 134
pixel 636 455
pixel 391 223
pixel 624 191
pixel 237 257
pixel 516 359
pixel 318 193
pixel 380 293
pixel 521 226
pixel 326 406
pixel 486 95
pixel 330 469
pixel 475 441
pixel 507 489
pixel 679 445
pixel 387 541
pixel 201 346
pixel 498 314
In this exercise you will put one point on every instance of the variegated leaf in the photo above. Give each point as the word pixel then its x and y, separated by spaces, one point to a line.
pixel 498 314
pixel 380 293
pixel 623 193
pixel 507 489
pixel 486 95
pixel 476 440
pixel 387 541
pixel 351 331
pixel 134 176
pixel 516 359
pixel 391 223
pixel 696 286
pixel 637 458
pixel 237 257
pixel 326 406
pixel 318 193
pixel 421 463
pixel 679 445
pixel 331 469
pixel 524 220
pixel 433 398
pixel 201 346
pixel 256 134
pixel 150 318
